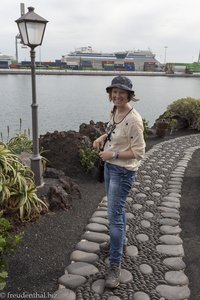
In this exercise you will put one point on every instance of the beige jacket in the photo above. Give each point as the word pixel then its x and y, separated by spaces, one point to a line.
pixel 128 134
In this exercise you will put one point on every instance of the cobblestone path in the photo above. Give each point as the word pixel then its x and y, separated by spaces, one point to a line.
pixel 153 268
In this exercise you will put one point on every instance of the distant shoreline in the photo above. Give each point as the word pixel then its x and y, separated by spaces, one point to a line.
pixel 94 73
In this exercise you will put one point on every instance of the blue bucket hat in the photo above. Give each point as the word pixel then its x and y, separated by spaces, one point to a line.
pixel 121 82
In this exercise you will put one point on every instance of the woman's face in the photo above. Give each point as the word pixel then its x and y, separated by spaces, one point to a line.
pixel 119 97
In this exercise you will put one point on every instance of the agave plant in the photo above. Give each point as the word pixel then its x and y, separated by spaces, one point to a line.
pixel 17 189
pixel 7 160
pixel 21 142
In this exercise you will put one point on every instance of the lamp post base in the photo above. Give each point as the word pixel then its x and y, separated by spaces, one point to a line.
pixel 36 167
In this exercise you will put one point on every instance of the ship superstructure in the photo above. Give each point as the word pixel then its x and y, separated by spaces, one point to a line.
pixel 132 60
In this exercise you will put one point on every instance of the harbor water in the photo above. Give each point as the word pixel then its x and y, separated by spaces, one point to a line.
pixel 65 102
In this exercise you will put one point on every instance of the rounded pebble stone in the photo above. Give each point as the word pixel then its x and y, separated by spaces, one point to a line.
pixel 174 195
pixel 145 223
pixel 158 185
pixel 83 256
pixel 170 229
pixel 159 180
pixel 141 296
pixel 129 215
pixel 171 199
pixel 96 227
pixel 147 188
pixel 175 263
pixel 150 202
pixel 96 237
pixel 101 214
pixel 87 246
pixel 167 221
pixel 135 190
pixel 148 214
pixel 171 250
pixel 140 195
pixel 98 286
pixel 171 239
pixel 63 294
pixel 157 194
pixel 147 181
pixel 137 206
pixel 136 183
pixel 171 204
pixel 176 278
pixel 71 281
pixel 173 292
pixel 129 199
pixel 146 269
pixel 171 215
pixel 142 237
pixel 125 276
pixel 168 209
pixel 132 250
pixel 99 220
pixel 81 268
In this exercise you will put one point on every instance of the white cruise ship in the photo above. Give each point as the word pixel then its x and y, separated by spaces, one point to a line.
pixel 131 60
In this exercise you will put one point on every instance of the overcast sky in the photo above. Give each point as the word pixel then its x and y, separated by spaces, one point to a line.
pixel 108 26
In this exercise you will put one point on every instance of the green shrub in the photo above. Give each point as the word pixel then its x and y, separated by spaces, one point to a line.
pixel 146 128
pixel 185 108
pixel 88 157
pixel 8 243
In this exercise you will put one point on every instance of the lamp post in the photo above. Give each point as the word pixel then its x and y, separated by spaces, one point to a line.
pixel 32 27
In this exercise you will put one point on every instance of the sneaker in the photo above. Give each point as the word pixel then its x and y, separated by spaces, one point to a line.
pixel 105 247
pixel 113 276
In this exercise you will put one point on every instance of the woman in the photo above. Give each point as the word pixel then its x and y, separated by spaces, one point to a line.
pixel 124 147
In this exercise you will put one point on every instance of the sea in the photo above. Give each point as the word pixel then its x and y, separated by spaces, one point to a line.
pixel 67 101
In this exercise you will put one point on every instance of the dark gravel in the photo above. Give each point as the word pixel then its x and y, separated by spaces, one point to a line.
pixel 48 243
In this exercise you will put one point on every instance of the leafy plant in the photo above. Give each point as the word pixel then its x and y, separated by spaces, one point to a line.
pixel 173 124
pixel 187 109
pixel 146 128
pixel 20 143
pixel 88 157
pixel 8 243
pixel 17 189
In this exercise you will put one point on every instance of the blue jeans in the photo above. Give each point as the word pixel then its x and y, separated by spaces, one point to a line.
pixel 118 183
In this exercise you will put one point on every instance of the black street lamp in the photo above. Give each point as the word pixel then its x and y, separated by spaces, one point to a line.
pixel 32 27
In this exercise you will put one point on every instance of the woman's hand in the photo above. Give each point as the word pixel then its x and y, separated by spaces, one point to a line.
pixel 99 143
pixel 105 155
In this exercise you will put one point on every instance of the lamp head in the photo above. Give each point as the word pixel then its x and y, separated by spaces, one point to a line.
pixel 31 27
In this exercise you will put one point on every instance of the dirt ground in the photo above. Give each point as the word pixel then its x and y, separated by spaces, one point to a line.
pixel 47 244
pixel 190 224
